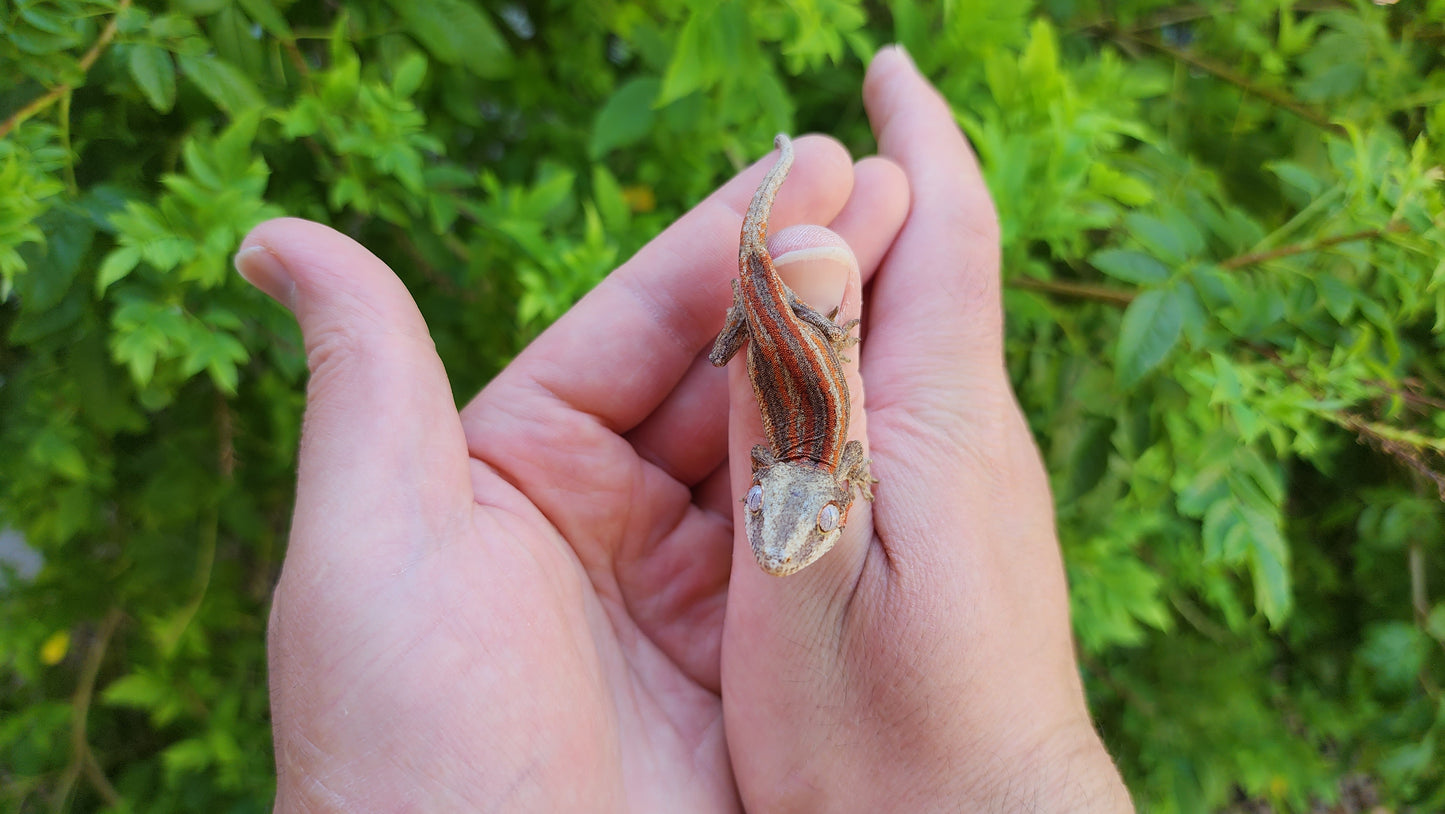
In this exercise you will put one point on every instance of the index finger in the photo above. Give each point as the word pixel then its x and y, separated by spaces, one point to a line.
pixel 621 349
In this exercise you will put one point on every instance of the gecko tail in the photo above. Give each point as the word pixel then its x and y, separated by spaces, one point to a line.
pixel 755 223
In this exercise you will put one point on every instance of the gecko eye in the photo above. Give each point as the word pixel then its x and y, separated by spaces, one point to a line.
pixel 755 498
pixel 828 517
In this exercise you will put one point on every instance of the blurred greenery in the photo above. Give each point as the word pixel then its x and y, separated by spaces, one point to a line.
pixel 1226 303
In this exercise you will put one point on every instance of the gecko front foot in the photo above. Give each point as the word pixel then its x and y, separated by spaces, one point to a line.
pixel 854 470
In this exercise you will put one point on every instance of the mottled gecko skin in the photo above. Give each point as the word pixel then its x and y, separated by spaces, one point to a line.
pixel 803 480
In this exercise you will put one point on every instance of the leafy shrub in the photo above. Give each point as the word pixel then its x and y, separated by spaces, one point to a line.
pixel 1226 305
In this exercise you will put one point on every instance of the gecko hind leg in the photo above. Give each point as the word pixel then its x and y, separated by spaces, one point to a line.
pixel 839 336
pixel 734 333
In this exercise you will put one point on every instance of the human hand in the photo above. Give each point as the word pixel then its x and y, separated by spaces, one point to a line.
pixel 926 662
pixel 524 605
pixel 521 606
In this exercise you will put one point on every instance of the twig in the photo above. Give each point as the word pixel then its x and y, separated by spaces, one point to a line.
pixel 226 438
pixel 1188 14
pixel 1420 602
pixel 1406 446
pixel 298 60
pixel 1402 445
pixel 1125 692
pixel 106 35
pixel 1168 17
pixel 97 778
pixel 436 278
pixel 1252 258
pixel 1419 597
pixel 1409 396
pixel 1122 297
pixel 1196 617
pixel 1240 81
pixel 1112 296
pixel 80 752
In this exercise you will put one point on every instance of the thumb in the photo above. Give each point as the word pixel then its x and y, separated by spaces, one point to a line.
pixel 381 441
pixel 818 265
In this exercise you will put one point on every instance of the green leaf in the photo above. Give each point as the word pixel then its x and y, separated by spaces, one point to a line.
pixel 1336 81
pixel 187 756
pixel 53 451
pixel 222 83
pixel 688 70
pixel 1165 240
pixel 1130 266
pixel 711 41
pixel 1269 565
pixel 116 266
pixel 199 8
pixel 38 42
pixel 137 690
pixel 1395 652
pixel 1149 331
pixel 1124 188
pixel 625 118
pixel 458 34
pixel 1435 623
pixel 151 67
pixel 611 203
pixel 47 20
pixel 1338 297
pixel 1089 458
pixel 1409 761
pixel 408 75
pixel 264 12
pixel 1298 178
pixel 54 263
pixel 217 353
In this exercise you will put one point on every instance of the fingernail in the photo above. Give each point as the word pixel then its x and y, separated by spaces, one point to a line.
pixel 907 57
pixel 819 274
pixel 265 271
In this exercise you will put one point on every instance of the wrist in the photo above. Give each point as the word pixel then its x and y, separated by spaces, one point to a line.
pixel 1071 771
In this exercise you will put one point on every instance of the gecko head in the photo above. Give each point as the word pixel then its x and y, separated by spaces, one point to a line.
pixel 795 513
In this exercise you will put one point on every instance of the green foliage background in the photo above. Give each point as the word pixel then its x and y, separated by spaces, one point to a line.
pixel 1226 305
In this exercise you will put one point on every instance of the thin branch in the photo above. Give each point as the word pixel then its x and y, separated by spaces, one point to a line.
pixel 1410 396
pixel 1161 19
pixel 298 60
pixel 1082 291
pixel 1420 602
pixel 1406 446
pixel 55 93
pixel 70 182
pixel 1253 258
pixel 1419 596
pixel 1121 297
pixel 1125 692
pixel 1188 14
pixel 1196 617
pixel 1389 433
pixel 436 278
pixel 1402 445
pixel 226 438
pixel 96 775
pixel 79 714
pixel 1240 81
